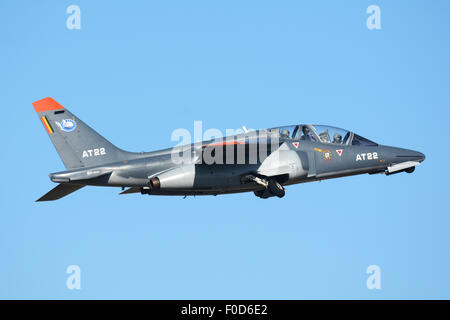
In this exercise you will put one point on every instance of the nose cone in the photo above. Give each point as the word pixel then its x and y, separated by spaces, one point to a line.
pixel 397 155
pixel 421 156
pixel 409 155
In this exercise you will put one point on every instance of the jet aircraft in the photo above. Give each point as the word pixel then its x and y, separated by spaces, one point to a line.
pixel 261 161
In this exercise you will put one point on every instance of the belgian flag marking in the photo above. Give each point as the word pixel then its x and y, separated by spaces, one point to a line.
pixel 47 125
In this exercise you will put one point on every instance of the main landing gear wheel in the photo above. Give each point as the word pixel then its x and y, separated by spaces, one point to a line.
pixel 276 188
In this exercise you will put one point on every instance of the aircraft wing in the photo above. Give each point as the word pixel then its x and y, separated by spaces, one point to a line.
pixel 60 191
pixel 132 190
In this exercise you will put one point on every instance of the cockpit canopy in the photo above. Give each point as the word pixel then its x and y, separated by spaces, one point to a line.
pixel 320 133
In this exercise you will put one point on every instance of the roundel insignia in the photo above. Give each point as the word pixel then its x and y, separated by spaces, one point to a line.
pixel 66 125
pixel 339 152
pixel 295 144
pixel 326 154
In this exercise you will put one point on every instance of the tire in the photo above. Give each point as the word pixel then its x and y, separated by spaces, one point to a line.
pixel 260 194
pixel 276 188
pixel 410 170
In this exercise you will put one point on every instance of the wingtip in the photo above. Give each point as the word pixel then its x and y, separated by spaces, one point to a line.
pixel 131 190
pixel 46 104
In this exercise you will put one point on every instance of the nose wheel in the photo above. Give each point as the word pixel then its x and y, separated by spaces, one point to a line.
pixel 276 188
pixel 410 170
pixel 272 188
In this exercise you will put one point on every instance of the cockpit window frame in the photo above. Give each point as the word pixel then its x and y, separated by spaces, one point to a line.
pixel 367 142
pixel 299 132
pixel 319 139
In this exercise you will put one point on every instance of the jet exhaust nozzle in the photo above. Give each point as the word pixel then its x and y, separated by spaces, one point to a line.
pixel 177 178
pixel 155 184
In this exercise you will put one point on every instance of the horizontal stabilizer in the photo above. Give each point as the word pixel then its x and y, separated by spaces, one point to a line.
pixel 60 191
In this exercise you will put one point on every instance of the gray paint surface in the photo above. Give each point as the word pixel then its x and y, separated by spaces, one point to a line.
pixel 302 156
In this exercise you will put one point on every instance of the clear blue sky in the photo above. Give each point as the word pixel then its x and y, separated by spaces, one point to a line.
pixel 137 70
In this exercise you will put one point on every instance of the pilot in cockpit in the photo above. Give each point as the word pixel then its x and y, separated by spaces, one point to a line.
pixel 306 134
pixel 337 138
pixel 284 134
pixel 325 136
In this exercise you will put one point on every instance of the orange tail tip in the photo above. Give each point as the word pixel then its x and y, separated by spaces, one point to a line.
pixel 46 104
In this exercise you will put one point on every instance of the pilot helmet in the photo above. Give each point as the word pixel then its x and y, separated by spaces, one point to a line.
pixel 285 133
pixel 337 138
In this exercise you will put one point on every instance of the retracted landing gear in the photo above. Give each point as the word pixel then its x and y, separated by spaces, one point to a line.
pixel 272 188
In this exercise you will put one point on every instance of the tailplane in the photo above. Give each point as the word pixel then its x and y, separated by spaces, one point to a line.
pixel 60 191
pixel 77 144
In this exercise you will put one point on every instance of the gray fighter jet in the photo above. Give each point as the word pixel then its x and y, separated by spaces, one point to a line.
pixel 261 161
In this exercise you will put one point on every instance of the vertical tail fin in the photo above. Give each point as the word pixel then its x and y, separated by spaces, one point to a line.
pixel 77 144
